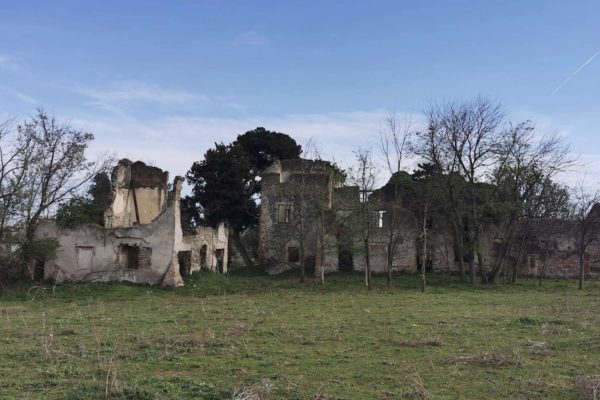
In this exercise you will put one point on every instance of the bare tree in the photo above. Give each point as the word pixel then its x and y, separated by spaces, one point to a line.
pixel 307 196
pixel 363 175
pixel 393 142
pixel 464 141
pixel 58 166
pixel 16 152
pixel 527 179
pixel 585 221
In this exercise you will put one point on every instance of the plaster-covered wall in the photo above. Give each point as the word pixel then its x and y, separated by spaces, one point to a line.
pixel 204 246
pixel 139 194
pixel 95 253
pixel 142 238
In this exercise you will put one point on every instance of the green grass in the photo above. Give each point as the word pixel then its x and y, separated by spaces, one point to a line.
pixel 309 341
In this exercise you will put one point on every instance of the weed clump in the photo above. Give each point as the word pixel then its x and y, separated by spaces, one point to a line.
pixel 540 348
pixel 259 391
pixel 589 387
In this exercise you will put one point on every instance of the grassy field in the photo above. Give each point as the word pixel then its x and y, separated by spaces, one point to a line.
pixel 338 341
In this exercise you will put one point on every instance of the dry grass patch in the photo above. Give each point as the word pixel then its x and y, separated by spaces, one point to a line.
pixel 489 359
pixel 238 329
pixel 11 310
pixel 589 387
pixel 207 338
pixel 418 390
pixel 419 342
pixel 548 329
pixel 540 348
pixel 259 391
pixel 322 394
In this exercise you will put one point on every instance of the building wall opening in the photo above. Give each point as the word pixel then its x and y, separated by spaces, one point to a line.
pixel 135 257
pixel 203 260
pixel 220 255
pixel 284 213
pixel 345 260
pixel 185 263
pixel 293 254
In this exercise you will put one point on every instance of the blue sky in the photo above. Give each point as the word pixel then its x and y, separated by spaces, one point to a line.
pixel 163 80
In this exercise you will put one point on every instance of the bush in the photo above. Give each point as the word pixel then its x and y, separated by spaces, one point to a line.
pixel 39 250
pixel 78 211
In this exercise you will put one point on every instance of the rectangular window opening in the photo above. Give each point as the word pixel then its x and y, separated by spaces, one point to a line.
pixel 135 257
pixel 380 218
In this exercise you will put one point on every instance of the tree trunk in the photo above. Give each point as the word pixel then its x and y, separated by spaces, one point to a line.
pixel 237 240
pixel 322 245
pixel 500 263
pixel 302 272
pixel 461 257
pixel 447 252
pixel 515 271
pixel 542 272
pixel 472 272
pixel 424 257
pixel 581 269
pixel 482 270
pixel 367 265
pixel 390 259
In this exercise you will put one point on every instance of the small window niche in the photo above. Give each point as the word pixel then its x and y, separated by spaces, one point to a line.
pixel 293 254
pixel 284 213
pixel 380 214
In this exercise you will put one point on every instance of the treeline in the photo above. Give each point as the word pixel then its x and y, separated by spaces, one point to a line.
pixel 475 170
pixel 478 172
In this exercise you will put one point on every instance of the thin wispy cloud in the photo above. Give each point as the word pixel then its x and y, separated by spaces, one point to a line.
pixel 578 70
pixel 251 38
pixel 142 138
pixel 25 98
pixel 19 95
pixel 133 91
pixel 188 138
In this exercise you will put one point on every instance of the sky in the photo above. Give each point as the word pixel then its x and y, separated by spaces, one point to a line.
pixel 162 81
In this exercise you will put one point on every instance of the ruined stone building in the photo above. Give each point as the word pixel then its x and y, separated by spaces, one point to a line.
pixel 142 239
pixel 305 202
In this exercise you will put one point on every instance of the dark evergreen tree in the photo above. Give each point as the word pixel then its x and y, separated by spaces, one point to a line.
pixel 226 183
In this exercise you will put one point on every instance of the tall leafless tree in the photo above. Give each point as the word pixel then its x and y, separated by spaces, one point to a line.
pixel 363 175
pixel 466 140
pixel 393 142
pixel 585 221
pixel 528 180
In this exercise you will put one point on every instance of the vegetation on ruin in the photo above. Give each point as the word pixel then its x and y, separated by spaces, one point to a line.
pixel 246 332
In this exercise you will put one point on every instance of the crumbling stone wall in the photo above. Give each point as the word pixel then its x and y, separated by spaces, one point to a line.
pixel 208 248
pixel 95 253
pixel 139 194
pixel 331 211
pixel 142 239
pixel 342 248
pixel 294 192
